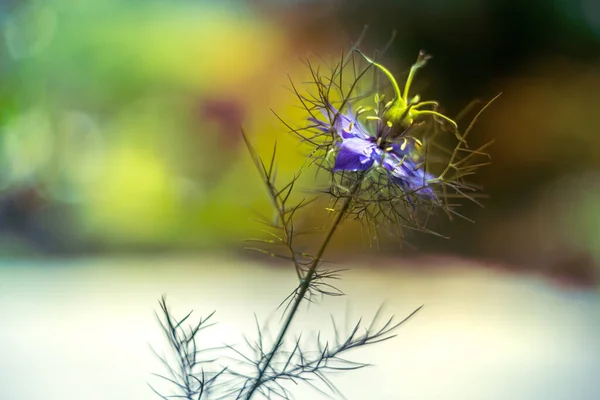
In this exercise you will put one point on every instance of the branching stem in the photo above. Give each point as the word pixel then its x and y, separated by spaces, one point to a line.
pixel 303 289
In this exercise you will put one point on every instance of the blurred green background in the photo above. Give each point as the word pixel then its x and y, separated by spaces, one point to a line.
pixel 119 120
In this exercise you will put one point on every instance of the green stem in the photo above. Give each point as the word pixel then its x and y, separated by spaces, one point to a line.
pixel 304 286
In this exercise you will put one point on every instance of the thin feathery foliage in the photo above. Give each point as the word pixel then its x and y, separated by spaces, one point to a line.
pixel 384 162
pixel 189 371
pixel 311 360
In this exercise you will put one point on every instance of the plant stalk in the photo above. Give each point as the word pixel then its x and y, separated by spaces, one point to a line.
pixel 304 286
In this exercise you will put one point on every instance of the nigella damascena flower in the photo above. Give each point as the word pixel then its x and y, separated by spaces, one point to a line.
pixel 359 150
pixel 386 157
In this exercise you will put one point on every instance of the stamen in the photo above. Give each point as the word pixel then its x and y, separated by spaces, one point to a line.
pixel 403 145
pixel 401 162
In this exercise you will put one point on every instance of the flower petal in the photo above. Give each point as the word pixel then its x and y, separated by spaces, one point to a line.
pixel 406 175
pixel 320 125
pixel 350 128
pixel 355 155
pixel 346 126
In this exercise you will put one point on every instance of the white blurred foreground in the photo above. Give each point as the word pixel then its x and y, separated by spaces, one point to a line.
pixel 81 329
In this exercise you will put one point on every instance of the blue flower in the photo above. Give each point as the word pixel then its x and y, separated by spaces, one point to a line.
pixel 358 150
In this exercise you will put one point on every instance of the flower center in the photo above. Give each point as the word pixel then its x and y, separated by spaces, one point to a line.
pixel 384 145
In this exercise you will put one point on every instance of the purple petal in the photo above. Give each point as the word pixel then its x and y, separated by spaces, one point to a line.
pixel 407 176
pixel 346 128
pixel 355 155
pixel 398 151
pixel 392 161
pixel 417 182
pixel 322 126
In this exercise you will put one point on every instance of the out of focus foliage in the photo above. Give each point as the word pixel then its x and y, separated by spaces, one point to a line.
pixel 124 118
pixel 120 119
